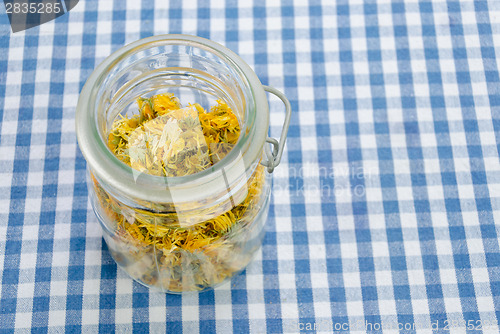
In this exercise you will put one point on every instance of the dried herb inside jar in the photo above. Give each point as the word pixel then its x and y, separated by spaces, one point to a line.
pixel 165 139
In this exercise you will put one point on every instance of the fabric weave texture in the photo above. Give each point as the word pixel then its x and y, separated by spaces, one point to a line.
pixel 385 208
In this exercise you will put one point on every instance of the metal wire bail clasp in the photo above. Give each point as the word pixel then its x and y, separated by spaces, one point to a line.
pixel 274 156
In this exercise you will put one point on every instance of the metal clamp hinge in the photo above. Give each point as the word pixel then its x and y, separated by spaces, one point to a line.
pixel 274 156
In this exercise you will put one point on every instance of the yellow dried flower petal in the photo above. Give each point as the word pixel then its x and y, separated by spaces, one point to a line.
pixel 162 103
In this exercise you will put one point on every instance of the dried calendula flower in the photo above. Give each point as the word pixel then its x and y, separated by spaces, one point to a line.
pixel 164 103
pixel 163 248
pixel 145 109
pixel 167 140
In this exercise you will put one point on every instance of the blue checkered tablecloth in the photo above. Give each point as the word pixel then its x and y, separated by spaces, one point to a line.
pixel 385 207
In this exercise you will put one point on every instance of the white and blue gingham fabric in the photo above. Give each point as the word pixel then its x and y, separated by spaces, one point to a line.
pixel 386 206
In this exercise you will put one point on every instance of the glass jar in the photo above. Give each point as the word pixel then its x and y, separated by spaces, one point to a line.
pixel 185 233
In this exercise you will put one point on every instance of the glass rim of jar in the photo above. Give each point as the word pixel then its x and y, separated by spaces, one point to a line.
pixel 107 167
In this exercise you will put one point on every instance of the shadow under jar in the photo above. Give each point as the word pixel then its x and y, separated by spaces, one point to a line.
pixel 182 233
